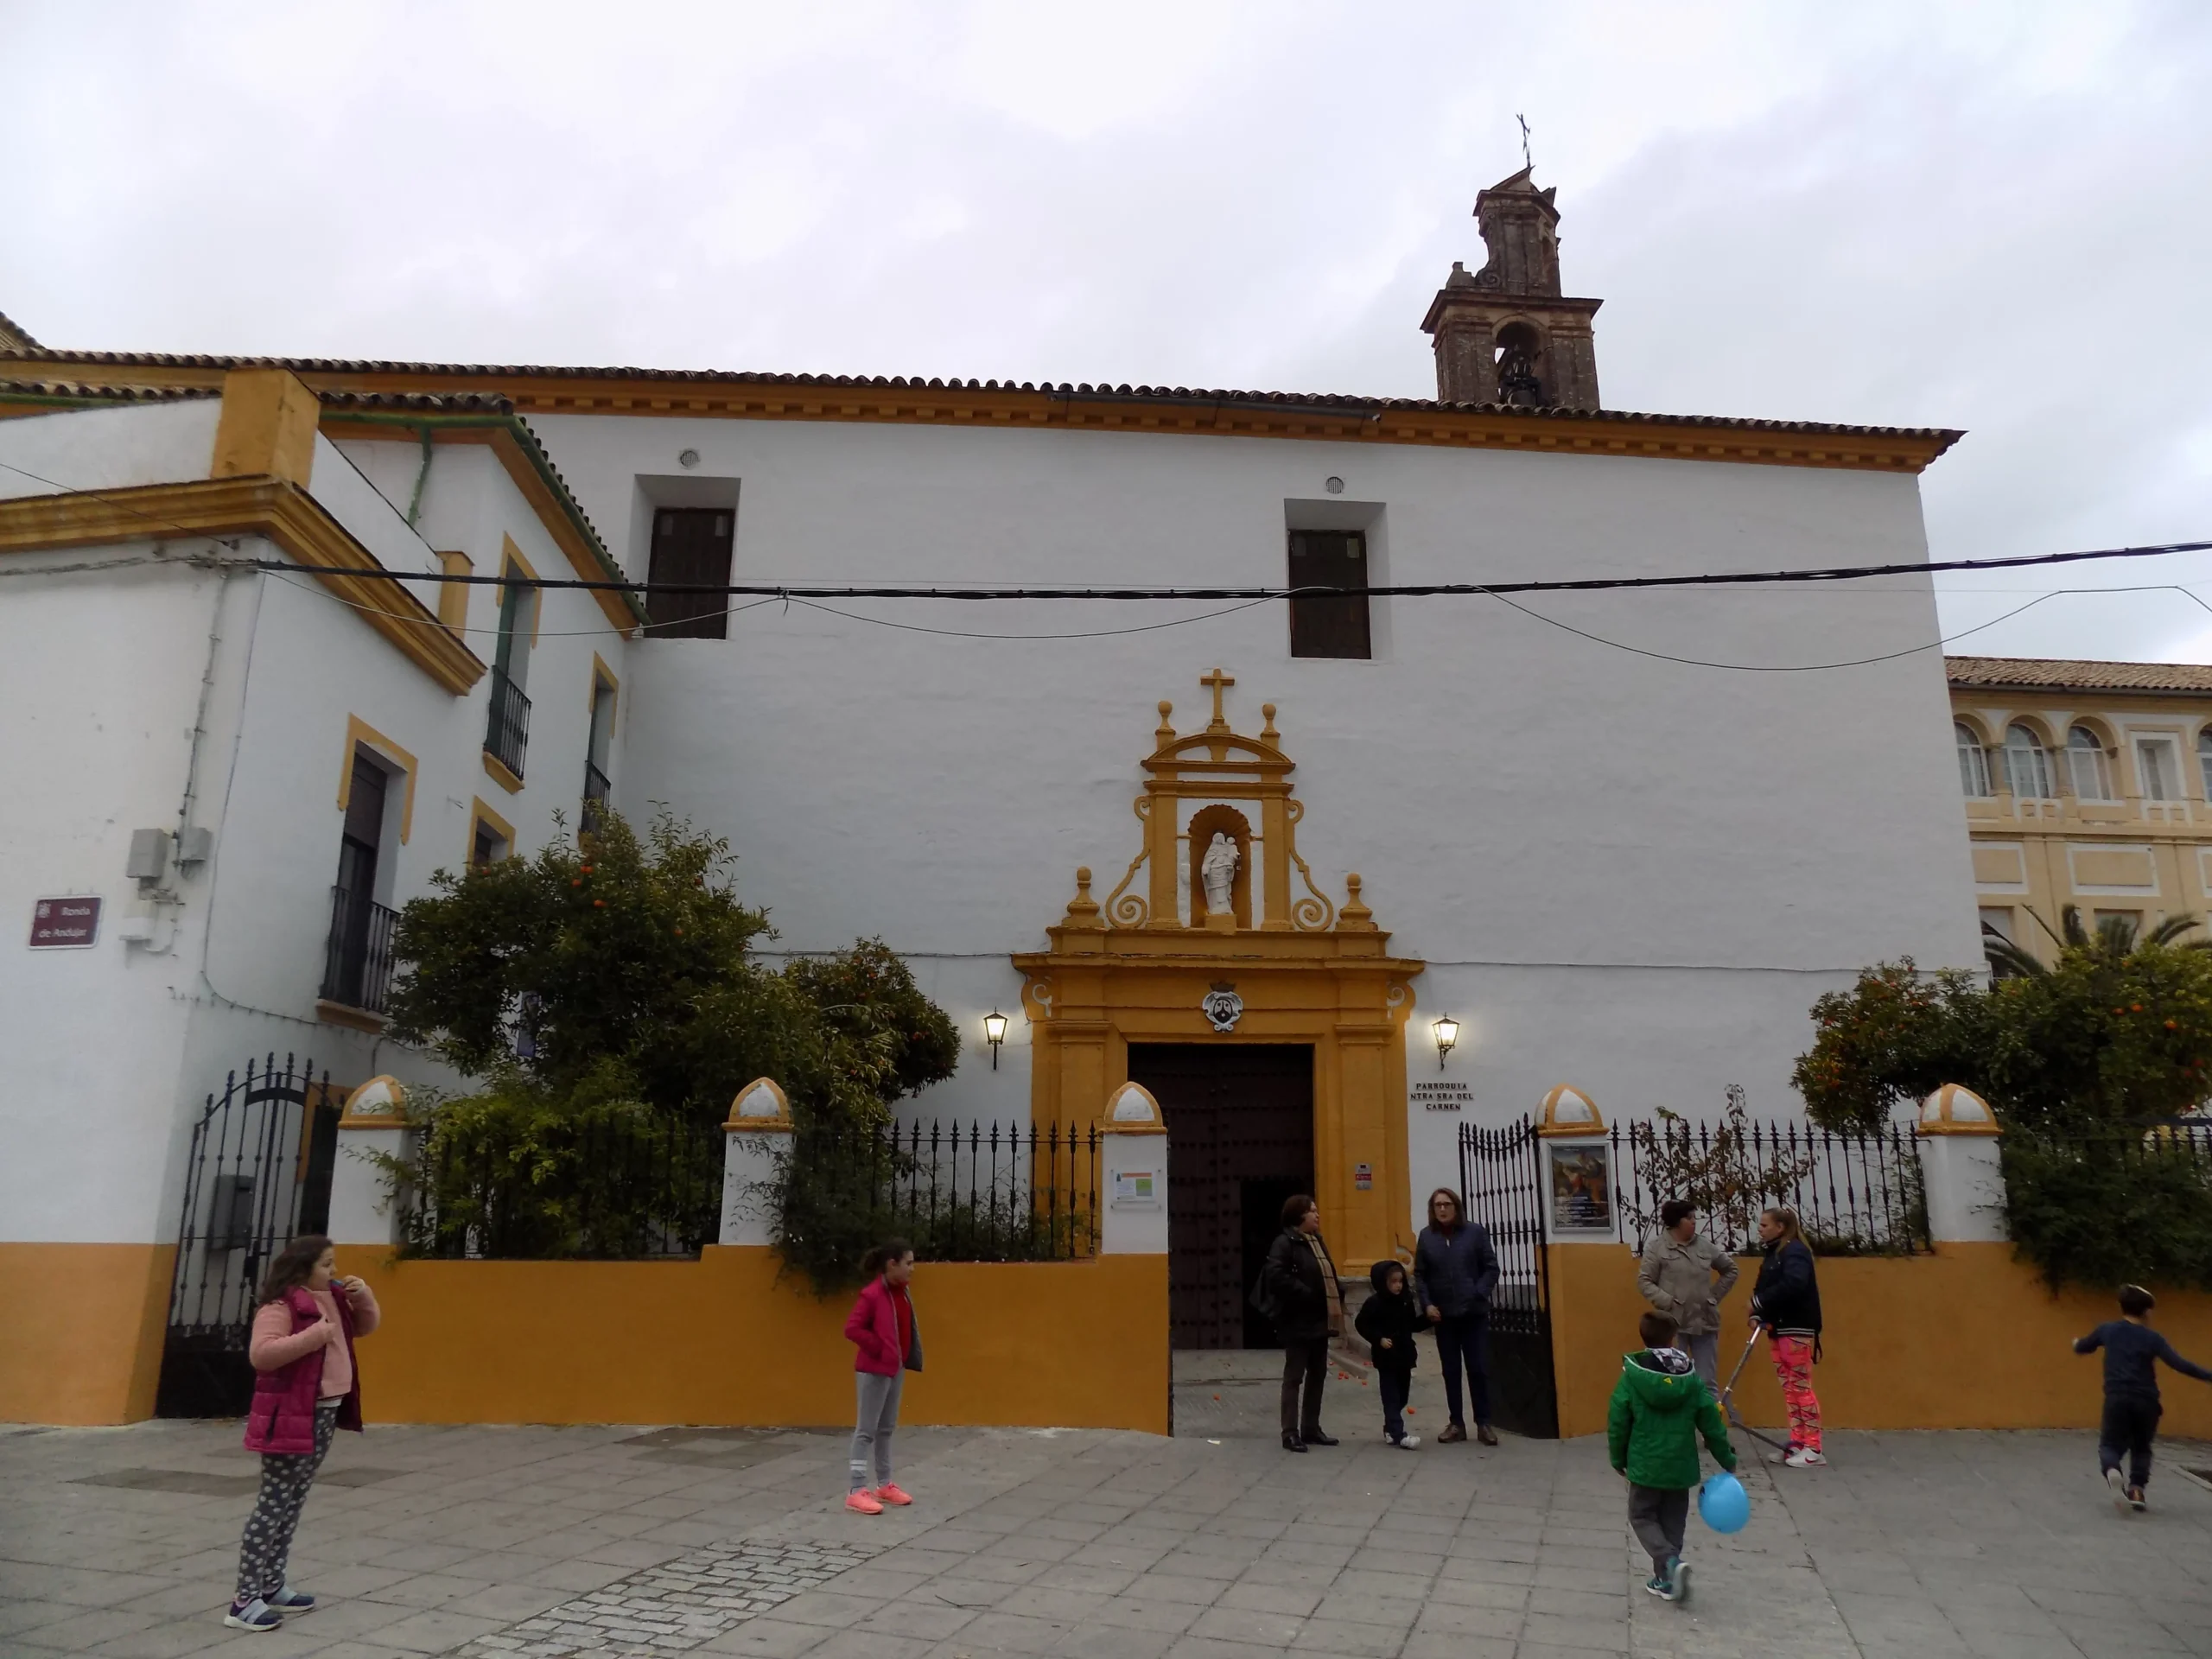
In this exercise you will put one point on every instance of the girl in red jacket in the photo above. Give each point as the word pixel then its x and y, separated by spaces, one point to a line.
pixel 882 1326
pixel 305 1389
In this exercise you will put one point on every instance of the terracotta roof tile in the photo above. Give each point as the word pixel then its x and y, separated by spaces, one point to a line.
pixel 2068 674
pixel 80 392
pixel 1342 404
pixel 428 403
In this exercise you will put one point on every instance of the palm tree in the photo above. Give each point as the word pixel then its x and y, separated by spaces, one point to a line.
pixel 2113 938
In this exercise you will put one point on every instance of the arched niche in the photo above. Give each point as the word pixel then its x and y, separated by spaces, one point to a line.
pixel 1522 372
pixel 1205 823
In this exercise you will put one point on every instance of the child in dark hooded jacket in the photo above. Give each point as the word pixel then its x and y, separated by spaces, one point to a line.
pixel 1388 1319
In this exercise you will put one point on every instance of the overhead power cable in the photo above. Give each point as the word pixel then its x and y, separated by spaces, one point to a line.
pixel 1393 590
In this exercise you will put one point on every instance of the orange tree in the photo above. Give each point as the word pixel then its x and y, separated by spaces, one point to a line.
pixel 610 984
pixel 2078 1059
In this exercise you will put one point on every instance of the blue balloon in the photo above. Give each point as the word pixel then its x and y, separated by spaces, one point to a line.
pixel 1723 1504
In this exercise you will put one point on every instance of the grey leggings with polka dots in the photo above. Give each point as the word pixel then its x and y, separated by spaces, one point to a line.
pixel 285 1477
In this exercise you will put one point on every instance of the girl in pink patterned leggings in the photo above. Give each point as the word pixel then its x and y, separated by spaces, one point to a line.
pixel 1788 1304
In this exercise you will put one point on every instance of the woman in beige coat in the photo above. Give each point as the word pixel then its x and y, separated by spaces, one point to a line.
pixel 1684 1277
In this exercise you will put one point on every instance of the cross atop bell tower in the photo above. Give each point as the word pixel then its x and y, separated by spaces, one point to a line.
pixel 1505 334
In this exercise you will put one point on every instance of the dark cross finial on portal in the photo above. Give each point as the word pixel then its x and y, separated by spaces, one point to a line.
pixel 1220 683
pixel 1526 159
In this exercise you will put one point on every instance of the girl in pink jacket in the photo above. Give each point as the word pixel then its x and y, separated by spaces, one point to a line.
pixel 882 1326
pixel 305 1388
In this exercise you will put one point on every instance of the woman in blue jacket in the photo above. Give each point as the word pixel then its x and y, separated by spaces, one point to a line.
pixel 1455 1270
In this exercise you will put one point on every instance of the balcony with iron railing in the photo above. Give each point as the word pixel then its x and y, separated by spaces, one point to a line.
pixel 507 733
pixel 357 958
pixel 597 788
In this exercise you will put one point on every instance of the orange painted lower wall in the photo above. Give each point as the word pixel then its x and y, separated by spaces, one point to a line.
pixel 1964 1338
pixel 80 1330
pixel 1070 1344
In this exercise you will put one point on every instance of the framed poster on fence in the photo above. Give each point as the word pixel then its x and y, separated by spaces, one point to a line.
pixel 1582 1188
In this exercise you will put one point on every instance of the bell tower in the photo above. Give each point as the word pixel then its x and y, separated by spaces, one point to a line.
pixel 1505 335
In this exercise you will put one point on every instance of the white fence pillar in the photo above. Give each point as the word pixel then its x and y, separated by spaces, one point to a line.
pixel 374 1120
pixel 1959 1160
pixel 756 1139
pixel 1132 1149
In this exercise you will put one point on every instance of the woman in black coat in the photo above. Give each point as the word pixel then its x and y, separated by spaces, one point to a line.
pixel 1455 1274
pixel 1298 1291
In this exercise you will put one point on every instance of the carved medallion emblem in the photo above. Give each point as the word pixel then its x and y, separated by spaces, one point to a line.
pixel 1223 1006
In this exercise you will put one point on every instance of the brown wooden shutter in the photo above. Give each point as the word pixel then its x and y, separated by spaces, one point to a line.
pixel 1321 626
pixel 690 545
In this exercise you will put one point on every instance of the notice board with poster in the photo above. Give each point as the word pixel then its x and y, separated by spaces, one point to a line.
pixel 1582 1187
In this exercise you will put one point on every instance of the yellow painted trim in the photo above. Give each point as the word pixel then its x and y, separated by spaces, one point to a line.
pixel 379 1103
pixel 511 560
pixel 1128 971
pixel 273 507
pixel 496 769
pixel 1008 1343
pixel 601 671
pixel 479 813
pixel 781 1119
pixel 550 510
pixel 578 551
pixel 84 1327
pixel 267 428
pixel 1909 1343
pixel 453 597
pixel 1658 438
pixel 341 1013
pixel 358 731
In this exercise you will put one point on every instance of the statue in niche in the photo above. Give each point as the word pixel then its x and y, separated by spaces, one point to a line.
pixel 1217 873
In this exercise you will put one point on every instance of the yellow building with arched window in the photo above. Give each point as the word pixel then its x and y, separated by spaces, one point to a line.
pixel 2087 783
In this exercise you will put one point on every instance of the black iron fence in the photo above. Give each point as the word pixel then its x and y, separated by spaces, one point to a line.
pixel 507 734
pixel 357 958
pixel 485 1182
pixel 1501 1174
pixel 971 1192
pixel 597 787
pixel 492 1183
pixel 1855 1194
pixel 256 1175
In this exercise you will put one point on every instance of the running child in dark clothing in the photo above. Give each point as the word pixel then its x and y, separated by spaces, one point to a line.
pixel 1388 1319
pixel 2132 1406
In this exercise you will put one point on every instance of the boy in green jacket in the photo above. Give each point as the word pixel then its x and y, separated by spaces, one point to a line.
pixel 1659 1407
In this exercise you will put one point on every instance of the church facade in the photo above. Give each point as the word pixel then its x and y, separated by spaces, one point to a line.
pixel 1265 857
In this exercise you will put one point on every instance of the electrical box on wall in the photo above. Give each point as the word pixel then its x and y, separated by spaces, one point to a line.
pixel 194 846
pixel 149 855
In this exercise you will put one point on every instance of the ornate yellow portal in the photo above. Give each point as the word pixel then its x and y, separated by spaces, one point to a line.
pixel 1159 963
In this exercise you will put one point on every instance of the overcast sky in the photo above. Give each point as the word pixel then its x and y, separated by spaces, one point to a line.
pixel 1996 217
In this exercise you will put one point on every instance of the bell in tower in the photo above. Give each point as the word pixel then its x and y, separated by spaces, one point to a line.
pixel 1505 335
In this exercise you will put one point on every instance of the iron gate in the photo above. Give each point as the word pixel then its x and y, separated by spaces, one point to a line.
pixel 1500 1173
pixel 258 1175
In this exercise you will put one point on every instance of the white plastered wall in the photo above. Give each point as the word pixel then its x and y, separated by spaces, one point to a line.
pixel 1626 873
pixel 115 1048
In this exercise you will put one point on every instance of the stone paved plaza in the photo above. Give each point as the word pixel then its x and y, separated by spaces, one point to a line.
pixel 1214 1545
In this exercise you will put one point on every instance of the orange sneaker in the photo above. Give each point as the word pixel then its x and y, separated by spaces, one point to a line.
pixel 863 1503
pixel 888 1493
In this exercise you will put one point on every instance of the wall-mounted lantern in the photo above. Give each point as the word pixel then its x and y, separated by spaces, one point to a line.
pixel 1447 1038
pixel 994 1033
